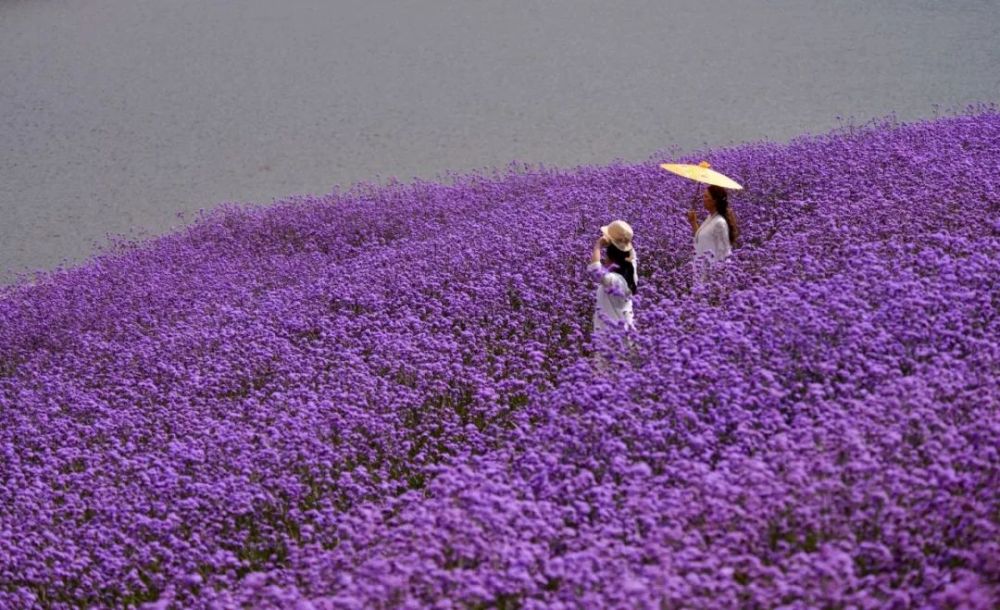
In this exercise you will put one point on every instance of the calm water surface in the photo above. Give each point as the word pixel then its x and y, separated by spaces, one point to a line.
pixel 116 115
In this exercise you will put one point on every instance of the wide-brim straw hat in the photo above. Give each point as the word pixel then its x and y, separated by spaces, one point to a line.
pixel 618 234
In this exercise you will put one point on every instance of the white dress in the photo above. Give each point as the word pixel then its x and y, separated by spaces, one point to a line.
pixel 711 240
pixel 613 298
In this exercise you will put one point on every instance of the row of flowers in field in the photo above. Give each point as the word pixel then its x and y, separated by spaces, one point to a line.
pixel 387 397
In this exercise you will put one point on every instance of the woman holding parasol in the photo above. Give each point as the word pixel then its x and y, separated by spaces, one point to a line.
pixel 715 236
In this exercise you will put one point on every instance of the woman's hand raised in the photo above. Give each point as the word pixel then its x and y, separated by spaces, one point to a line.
pixel 693 220
pixel 595 256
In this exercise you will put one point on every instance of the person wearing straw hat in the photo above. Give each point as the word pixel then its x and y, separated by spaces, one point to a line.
pixel 616 276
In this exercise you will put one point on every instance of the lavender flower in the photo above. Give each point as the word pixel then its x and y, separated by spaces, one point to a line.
pixel 370 399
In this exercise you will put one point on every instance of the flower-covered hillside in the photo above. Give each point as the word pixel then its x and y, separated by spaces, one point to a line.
pixel 387 397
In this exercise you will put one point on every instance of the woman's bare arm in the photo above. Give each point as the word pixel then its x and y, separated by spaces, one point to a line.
pixel 595 257
pixel 693 220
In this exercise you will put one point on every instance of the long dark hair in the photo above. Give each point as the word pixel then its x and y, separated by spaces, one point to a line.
pixel 624 266
pixel 721 199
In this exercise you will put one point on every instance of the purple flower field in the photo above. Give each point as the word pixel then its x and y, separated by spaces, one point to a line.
pixel 388 397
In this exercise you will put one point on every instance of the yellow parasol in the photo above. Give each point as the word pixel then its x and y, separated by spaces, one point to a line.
pixel 702 173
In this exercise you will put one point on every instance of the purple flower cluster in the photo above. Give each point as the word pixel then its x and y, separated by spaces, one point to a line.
pixel 388 397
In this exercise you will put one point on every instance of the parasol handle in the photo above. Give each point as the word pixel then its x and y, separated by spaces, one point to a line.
pixel 694 197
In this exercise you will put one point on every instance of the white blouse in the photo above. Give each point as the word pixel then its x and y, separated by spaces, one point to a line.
pixel 711 240
pixel 613 298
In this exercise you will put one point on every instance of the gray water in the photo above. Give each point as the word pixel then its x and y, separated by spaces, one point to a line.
pixel 116 115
